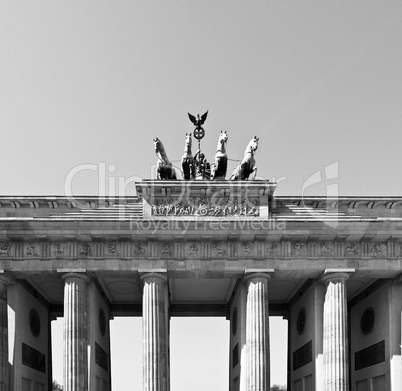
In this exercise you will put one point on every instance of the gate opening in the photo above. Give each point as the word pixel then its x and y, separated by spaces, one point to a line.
pixel 199 354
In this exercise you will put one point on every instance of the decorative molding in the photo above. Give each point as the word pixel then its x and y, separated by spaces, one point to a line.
pixel 58 250
pixel 219 251
pixel 193 250
pixel 85 250
pixel 112 249
pixel 300 249
pixel 165 250
pixel 272 250
pixel 326 249
pixel 5 250
pixel 31 250
pixel 139 250
pixel 352 250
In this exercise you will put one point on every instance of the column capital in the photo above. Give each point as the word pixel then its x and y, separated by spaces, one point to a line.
pixel 75 275
pixel 161 274
pixel 258 273
pixel 336 275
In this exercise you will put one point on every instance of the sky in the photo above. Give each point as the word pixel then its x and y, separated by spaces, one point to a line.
pixel 86 85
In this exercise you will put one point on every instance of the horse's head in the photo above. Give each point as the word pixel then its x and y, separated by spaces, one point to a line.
pixel 188 138
pixel 157 144
pixel 187 143
pixel 223 137
pixel 252 145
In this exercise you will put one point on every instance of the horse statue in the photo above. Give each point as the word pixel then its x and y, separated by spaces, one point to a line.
pixel 165 169
pixel 221 158
pixel 188 164
pixel 247 165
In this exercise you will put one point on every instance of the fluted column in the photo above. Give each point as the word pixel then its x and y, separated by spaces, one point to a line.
pixel 155 325
pixel 4 386
pixel 257 332
pixel 335 337
pixel 75 332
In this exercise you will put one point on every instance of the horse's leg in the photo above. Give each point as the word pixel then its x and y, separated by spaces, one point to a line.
pixel 246 169
pixel 192 169
pixel 215 169
pixel 224 166
pixel 218 168
pixel 186 169
pixel 159 171
pixel 254 172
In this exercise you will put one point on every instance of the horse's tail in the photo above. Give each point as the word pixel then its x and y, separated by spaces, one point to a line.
pixel 173 174
pixel 236 172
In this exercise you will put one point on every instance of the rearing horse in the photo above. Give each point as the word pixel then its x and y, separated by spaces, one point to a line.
pixel 165 169
pixel 187 161
pixel 247 165
pixel 221 158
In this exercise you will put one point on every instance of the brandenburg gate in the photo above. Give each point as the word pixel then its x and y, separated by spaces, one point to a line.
pixel 330 266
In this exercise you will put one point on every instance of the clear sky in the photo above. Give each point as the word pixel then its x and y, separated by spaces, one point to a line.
pixel 93 82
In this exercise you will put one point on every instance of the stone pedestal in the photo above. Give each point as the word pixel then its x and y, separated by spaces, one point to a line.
pixel 335 333
pixel 155 324
pixel 75 332
pixel 4 386
pixel 257 332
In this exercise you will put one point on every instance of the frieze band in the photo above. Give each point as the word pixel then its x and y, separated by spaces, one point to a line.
pixel 208 248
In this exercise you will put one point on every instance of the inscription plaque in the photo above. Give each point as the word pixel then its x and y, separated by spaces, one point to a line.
pixel 32 358
pixel 206 206
pixel 101 358
pixel 303 355
pixel 372 355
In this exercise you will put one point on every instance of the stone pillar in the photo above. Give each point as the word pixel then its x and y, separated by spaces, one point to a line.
pixel 335 333
pixel 155 325
pixel 287 317
pixel 4 385
pixel 257 332
pixel 49 352
pixel 75 333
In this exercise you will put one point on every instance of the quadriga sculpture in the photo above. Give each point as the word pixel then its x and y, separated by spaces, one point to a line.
pixel 247 165
pixel 165 169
